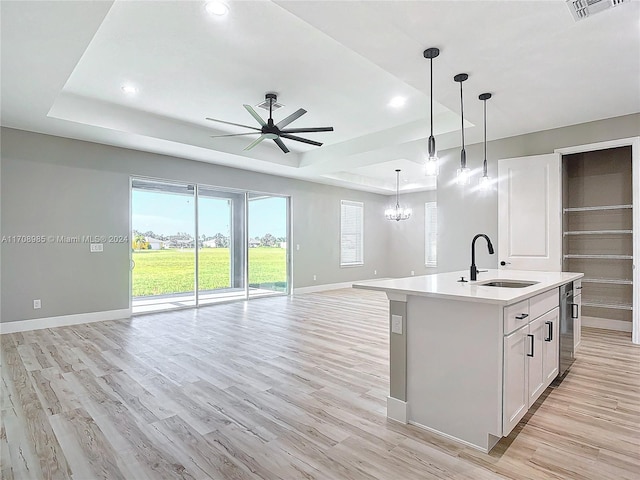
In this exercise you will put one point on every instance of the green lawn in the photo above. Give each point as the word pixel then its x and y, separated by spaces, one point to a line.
pixel 159 272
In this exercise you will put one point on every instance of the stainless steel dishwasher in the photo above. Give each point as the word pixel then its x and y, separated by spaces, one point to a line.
pixel 566 327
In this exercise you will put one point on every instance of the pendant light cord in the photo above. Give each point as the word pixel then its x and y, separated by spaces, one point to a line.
pixel 397 190
pixel 484 165
pixel 462 115
pixel 485 131
pixel 431 93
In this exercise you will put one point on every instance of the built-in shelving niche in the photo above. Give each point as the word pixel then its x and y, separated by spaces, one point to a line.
pixel 598 230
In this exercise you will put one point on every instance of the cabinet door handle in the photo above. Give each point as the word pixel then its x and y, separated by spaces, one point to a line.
pixel 574 310
pixel 522 316
pixel 532 343
pixel 550 336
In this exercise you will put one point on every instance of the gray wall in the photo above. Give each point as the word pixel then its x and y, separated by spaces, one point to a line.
pixel 406 249
pixel 463 212
pixel 59 186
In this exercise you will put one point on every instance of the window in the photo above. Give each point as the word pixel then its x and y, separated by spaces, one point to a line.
pixel 351 233
pixel 430 233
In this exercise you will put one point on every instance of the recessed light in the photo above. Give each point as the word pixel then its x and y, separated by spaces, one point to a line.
pixel 218 9
pixel 129 89
pixel 397 102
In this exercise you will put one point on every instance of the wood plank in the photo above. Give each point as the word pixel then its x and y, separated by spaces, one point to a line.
pixel 283 388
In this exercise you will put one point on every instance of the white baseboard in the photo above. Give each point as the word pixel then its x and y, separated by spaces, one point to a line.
pixel 606 324
pixel 64 320
pixel 322 288
pixel 491 439
pixel 331 286
pixel 396 410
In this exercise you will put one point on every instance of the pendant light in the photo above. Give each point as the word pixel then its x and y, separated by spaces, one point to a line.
pixel 397 213
pixel 485 181
pixel 431 166
pixel 463 174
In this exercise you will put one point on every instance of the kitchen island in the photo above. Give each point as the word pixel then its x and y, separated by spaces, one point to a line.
pixel 467 360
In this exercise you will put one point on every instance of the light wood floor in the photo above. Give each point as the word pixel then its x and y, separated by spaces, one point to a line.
pixel 283 388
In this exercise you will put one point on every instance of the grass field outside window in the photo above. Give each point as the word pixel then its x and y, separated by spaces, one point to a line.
pixel 170 271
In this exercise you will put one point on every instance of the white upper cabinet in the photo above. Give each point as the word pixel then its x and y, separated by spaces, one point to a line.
pixel 530 213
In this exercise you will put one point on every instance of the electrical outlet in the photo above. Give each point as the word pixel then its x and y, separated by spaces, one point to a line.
pixel 298 246
pixel 315 278
pixel 413 272
pixel 37 304
pixel 375 272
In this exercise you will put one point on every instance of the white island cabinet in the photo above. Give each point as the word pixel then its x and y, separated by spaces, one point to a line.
pixel 468 360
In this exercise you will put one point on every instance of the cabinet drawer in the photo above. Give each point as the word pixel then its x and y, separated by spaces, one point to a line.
pixel 515 316
pixel 577 287
pixel 543 303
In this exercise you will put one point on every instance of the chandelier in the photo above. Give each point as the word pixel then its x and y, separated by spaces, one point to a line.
pixel 397 213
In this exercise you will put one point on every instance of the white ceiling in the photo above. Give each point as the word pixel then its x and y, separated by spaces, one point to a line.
pixel 63 65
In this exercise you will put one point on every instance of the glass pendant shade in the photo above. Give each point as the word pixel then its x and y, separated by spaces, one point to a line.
pixel 485 182
pixel 463 176
pixel 431 165
pixel 397 213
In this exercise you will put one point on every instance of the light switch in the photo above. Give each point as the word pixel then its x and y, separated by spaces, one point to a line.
pixel 396 324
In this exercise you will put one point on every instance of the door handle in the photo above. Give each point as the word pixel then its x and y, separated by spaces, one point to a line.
pixel 574 310
pixel 503 263
pixel 550 336
pixel 532 343
pixel 522 316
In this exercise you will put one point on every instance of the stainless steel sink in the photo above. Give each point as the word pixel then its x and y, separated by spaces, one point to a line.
pixel 506 283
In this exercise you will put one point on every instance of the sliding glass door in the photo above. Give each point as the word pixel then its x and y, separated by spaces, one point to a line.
pixel 221 253
pixel 196 245
pixel 163 245
pixel 268 244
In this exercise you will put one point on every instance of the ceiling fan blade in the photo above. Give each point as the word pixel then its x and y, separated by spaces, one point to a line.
pixel 307 130
pixel 291 118
pixel 231 123
pixel 235 134
pixel 255 115
pixel 255 142
pixel 282 146
pixel 300 139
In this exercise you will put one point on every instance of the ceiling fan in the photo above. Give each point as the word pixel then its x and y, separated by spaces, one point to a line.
pixel 271 131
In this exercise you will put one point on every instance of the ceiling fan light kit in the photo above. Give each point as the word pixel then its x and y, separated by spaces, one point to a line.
pixel 274 131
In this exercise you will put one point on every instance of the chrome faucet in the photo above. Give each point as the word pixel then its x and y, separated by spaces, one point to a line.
pixel 474 270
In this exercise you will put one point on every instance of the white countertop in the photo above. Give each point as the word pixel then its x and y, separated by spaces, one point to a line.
pixel 446 285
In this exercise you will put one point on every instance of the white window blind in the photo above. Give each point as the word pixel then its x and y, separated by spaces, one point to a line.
pixel 430 233
pixel 351 233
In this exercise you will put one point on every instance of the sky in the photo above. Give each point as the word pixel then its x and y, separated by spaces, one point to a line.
pixel 168 214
